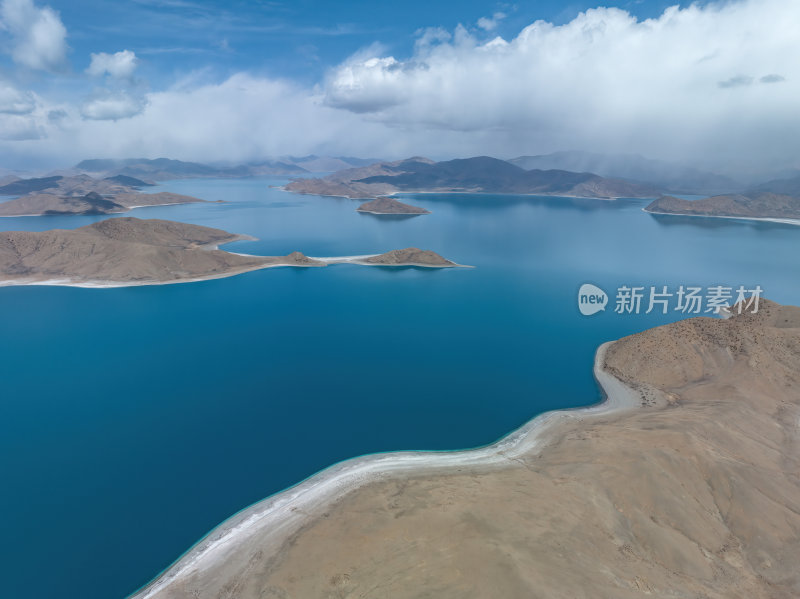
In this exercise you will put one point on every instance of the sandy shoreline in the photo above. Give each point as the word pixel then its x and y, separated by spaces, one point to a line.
pixel 90 284
pixel 128 209
pixel 782 221
pixel 279 516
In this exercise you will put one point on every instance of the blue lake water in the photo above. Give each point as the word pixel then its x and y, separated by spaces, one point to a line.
pixel 134 420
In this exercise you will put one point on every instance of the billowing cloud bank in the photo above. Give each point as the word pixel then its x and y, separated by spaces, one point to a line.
pixel 38 36
pixel 718 83
pixel 720 79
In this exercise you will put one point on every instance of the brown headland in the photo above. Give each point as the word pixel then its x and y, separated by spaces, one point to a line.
pixel 130 251
pixel 683 484
pixel 82 194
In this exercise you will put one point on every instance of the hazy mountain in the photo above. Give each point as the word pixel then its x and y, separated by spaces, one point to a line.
pixel 128 181
pixel 161 169
pixel 23 186
pixel 789 187
pixel 328 164
pixel 669 176
pixel 470 175
pixel 346 183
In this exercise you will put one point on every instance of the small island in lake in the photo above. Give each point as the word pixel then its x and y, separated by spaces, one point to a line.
pixel 386 205
pixel 410 257
pixel 751 205
pixel 82 194
pixel 120 252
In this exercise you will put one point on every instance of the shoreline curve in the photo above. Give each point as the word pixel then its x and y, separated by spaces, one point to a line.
pixel 282 514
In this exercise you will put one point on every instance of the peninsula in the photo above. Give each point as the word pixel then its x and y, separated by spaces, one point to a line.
pixel 683 483
pixel 759 205
pixel 126 251
pixel 82 194
pixel 481 174
pixel 390 206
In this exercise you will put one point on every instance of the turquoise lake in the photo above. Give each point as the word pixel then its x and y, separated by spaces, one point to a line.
pixel 134 420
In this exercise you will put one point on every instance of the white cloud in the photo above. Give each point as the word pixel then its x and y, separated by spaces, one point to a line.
pixel 39 37
pixel 712 83
pixel 17 127
pixel 490 23
pixel 119 65
pixel 14 101
pixel 113 106
pixel 680 85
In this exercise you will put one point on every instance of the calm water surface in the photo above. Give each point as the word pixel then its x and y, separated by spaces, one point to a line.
pixel 134 420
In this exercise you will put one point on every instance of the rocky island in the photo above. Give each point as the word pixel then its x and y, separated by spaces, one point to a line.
pixel 82 195
pixel 759 205
pixel 410 257
pixel 481 174
pixel 683 483
pixel 126 251
pixel 390 206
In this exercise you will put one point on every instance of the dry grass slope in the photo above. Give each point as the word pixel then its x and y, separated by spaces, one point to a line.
pixel 696 494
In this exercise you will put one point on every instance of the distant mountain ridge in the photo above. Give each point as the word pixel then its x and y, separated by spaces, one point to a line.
pixel 481 174
pixel 669 176
pixel 161 169
pixel 23 186
pixel 789 186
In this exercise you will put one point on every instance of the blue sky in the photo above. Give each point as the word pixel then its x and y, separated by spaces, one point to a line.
pixel 713 83
pixel 298 39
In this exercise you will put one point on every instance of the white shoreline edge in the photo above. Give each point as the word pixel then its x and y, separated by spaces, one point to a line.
pixel 783 221
pixel 129 208
pixel 283 514
pixel 393 213
pixel 89 284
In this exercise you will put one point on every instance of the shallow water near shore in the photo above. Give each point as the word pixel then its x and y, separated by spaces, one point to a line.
pixel 134 420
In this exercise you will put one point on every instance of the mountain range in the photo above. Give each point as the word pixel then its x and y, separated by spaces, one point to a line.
pixel 480 174
pixel 161 169
pixel 669 176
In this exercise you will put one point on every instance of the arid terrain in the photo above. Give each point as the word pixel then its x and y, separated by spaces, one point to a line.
pixel 690 490
pixel 130 251
pixel 410 257
pixel 761 205
pixel 82 194
pixel 390 206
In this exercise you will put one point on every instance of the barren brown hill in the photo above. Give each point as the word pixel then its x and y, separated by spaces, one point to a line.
pixel 410 257
pixel 751 205
pixel 693 493
pixel 127 251
pixel 347 183
pixel 390 206
pixel 82 195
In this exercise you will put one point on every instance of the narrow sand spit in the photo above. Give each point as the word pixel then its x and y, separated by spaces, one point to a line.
pixel 277 518
pixel 782 221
